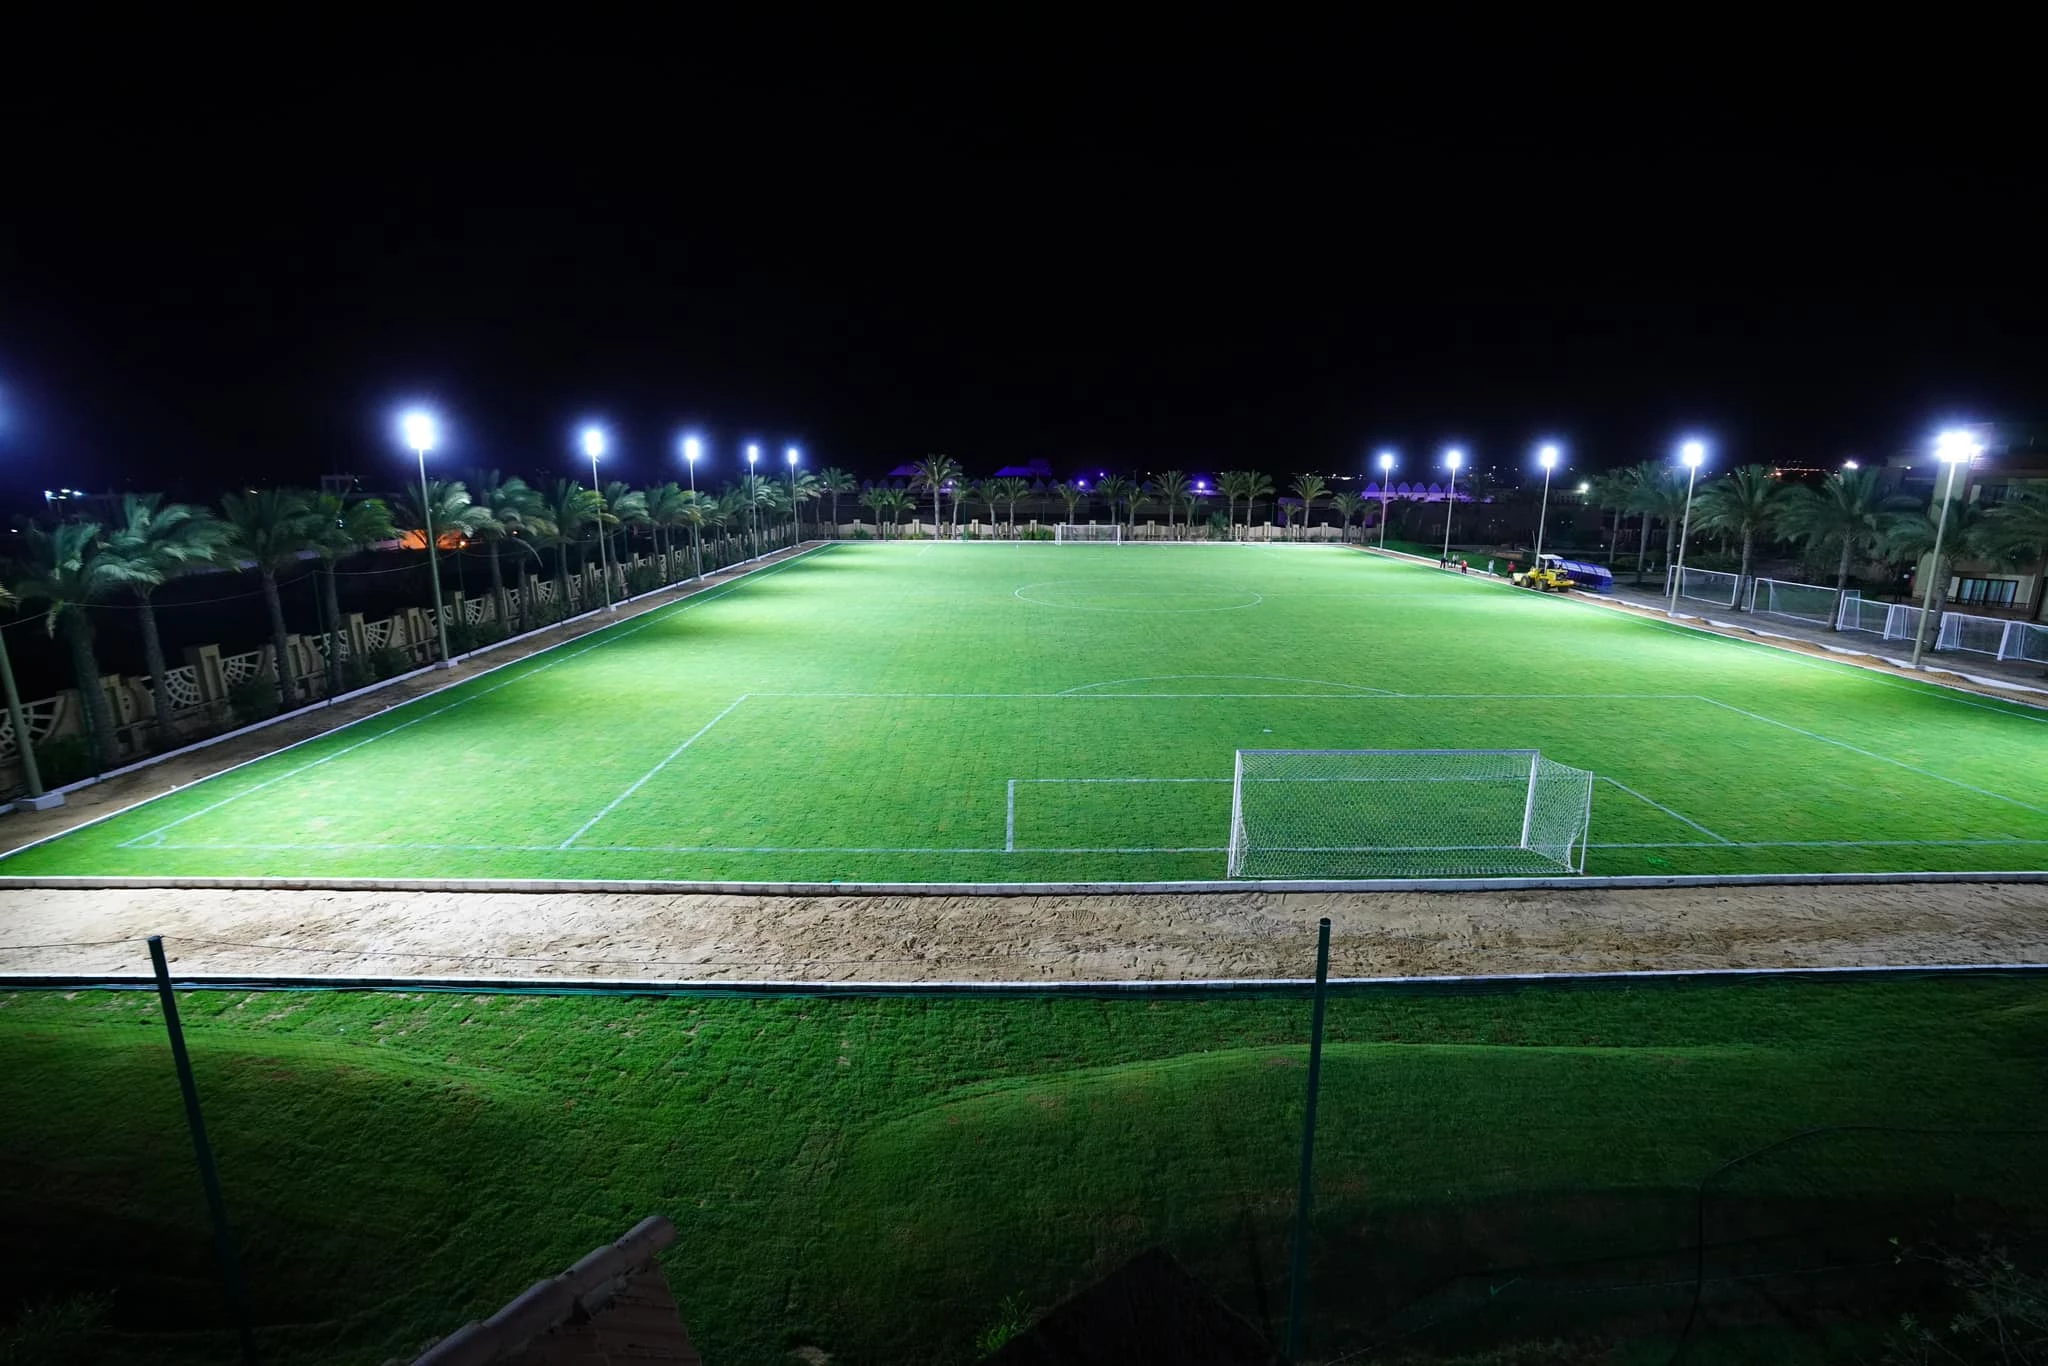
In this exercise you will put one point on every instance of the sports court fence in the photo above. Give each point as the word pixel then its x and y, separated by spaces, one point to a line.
pixel 1495 1167
pixel 1815 604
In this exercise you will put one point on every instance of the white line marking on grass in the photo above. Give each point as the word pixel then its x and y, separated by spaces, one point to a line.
pixel 1881 758
pixel 1264 678
pixel 1683 820
pixel 604 636
pixel 2000 842
pixel 1010 820
pixel 641 782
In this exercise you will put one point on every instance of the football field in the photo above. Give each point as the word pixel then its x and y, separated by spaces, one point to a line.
pixel 1029 712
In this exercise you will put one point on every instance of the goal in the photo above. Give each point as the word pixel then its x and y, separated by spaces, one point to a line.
pixel 1089 531
pixel 1402 813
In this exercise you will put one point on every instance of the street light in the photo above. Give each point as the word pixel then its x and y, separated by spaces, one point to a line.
pixel 1454 458
pixel 593 446
pixel 1386 473
pixel 1547 457
pixel 1952 448
pixel 692 448
pixel 754 498
pixel 1851 465
pixel 793 455
pixel 1692 453
pixel 422 433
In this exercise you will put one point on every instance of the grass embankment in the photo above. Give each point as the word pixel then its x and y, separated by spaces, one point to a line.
pixel 877 1178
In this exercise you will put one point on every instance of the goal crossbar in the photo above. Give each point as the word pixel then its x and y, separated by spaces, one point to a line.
pixel 1075 533
pixel 1406 813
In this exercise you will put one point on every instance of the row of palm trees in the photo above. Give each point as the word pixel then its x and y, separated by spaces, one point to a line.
pixel 1848 517
pixel 69 567
pixel 940 479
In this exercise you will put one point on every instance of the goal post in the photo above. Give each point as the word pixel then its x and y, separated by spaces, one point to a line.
pixel 1071 533
pixel 1406 813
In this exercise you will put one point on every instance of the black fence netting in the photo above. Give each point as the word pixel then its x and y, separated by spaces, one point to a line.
pixel 1772 1169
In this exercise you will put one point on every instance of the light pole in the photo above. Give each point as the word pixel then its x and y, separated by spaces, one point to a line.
pixel 1692 453
pixel 422 433
pixel 1547 457
pixel 692 448
pixel 1953 448
pixel 795 531
pixel 593 446
pixel 1454 458
pixel 754 499
pixel 1386 473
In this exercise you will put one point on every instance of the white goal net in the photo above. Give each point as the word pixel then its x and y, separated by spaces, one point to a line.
pixel 1088 531
pixel 1402 813
pixel 1705 585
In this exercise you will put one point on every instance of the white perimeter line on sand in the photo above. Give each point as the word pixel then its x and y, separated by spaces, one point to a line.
pixel 642 780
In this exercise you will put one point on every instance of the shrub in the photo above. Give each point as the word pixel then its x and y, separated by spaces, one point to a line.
pixel 390 662
pixel 64 759
pixel 253 699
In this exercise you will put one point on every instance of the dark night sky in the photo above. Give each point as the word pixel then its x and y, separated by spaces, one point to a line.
pixel 249 298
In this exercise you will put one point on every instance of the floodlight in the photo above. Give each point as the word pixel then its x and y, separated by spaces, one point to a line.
pixel 753 453
pixel 1547 457
pixel 1386 460
pixel 1693 453
pixel 1957 444
pixel 792 455
pixel 593 441
pixel 1851 465
pixel 421 431
pixel 1454 457
pixel 692 448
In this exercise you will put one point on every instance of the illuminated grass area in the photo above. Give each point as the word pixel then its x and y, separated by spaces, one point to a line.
pixel 878 1178
pixel 1008 713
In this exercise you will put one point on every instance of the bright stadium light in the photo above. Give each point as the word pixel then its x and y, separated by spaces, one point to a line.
pixel 1386 489
pixel 1851 465
pixel 1454 458
pixel 1955 449
pixel 1692 452
pixel 795 526
pixel 594 446
pixel 1547 457
pixel 753 498
pixel 422 433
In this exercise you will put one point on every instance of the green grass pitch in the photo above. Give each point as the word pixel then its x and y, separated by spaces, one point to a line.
pixel 1037 713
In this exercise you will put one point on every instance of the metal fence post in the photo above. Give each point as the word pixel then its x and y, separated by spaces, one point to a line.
pixel 1298 1272
pixel 223 1240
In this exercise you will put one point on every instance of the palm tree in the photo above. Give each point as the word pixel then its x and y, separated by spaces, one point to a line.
pixel 1615 492
pixel 271 529
pixel 339 528
pixel 662 505
pixel 455 516
pixel 800 489
pixel 514 509
pixel 1309 488
pixel 1007 490
pixel 1256 486
pixel 68 567
pixel 157 540
pixel 833 481
pixel 937 473
pixel 1910 533
pixel 875 498
pixel 1347 505
pixel 2019 526
pixel 694 510
pixel 1174 489
pixel 1231 485
pixel 565 512
pixel 1745 502
pixel 1656 495
pixel 1846 515
pixel 1071 494
pixel 1114 489
pixel 624 510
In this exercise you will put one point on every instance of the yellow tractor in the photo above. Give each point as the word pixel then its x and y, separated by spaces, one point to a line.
pixel 1544 578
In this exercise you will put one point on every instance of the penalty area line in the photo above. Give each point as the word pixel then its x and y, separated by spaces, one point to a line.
pixel 1682 820
pixel 641 782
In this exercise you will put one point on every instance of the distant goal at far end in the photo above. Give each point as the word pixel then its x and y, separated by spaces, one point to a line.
pixel 1068 532
pixel 1406 813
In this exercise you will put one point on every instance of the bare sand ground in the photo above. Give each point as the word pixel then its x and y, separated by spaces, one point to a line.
pixel 1041 938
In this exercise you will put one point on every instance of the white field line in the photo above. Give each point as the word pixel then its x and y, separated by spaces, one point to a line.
pixel 1073 696
pixel 1256 678
pixel 1881 758
pixel 641 781
pixel 604 636
pixel 1010 820
pixel 1995 842
pixel 1682 820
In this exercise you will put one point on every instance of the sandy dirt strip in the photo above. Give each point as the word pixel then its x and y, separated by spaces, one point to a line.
pixel 1038 938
